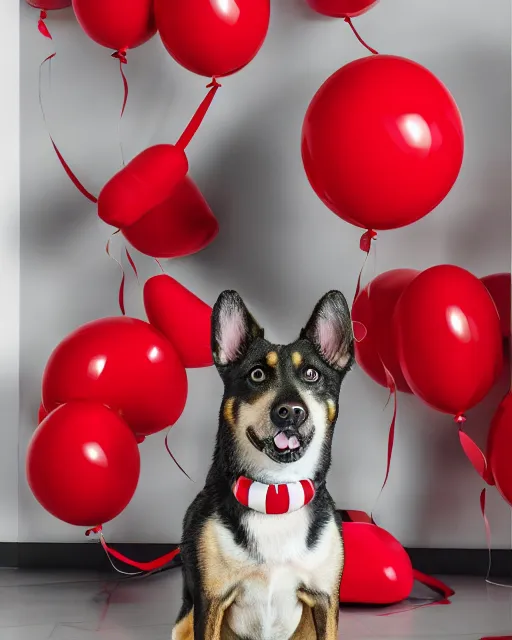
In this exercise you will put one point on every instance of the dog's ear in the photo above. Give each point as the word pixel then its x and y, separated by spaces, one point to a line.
pixel 233 329
pixel 330 331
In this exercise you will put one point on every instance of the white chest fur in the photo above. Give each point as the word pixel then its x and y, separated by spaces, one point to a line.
pixel 277 564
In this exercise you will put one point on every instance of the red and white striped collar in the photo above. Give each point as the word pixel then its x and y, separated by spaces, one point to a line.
pixel 273 499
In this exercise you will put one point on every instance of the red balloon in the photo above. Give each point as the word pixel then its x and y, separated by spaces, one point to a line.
pixel 182 318
pixel 49 5
pixel 499 448
pixel 42 413
pixel 181 225
pixel 213 38
pixel 382 142
pixel 342 8
pixel 449 340
pixel 499 285
pixel 377 568
pixel 146 182
pixel 116 24
pixel 123 363
pixel 83 464
pixel 373 309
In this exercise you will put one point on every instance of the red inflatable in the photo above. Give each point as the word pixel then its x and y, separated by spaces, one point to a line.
pixel 499 285
pixel 449 339
pixel 373 309
pixel 83 464
pixel 377 568
pixel 182 318
pixel 181 225
pixel 499 448
pixel 116 24
pixel 342 8
pixel 146 182
pixel 123 363
pixel 382 142
pixel 42 413
pixel 213 38
pixel 49 5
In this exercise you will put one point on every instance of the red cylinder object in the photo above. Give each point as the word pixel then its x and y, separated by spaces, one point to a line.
pixel 373 309
pixel 116 24
pixel 377 568
pixel 342 8
pixel 146 182
pixel 181 225
pixel 83 464
pixel 123 363
pixel 382 142
pixel 49 5
pixel 213 38
pixel 499 285
pixel 182 317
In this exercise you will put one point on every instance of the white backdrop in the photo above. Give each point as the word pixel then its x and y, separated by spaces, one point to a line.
pixel 278 245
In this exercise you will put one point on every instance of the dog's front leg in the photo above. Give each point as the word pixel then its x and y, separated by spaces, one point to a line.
pixel 325 613
pixel 209 616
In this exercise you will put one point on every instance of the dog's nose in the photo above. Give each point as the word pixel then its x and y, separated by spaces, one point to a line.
pixel 288 414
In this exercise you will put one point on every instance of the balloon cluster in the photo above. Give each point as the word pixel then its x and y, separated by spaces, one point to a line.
pixel 106 387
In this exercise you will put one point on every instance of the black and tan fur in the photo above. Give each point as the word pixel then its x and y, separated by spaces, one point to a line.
pixel 252 576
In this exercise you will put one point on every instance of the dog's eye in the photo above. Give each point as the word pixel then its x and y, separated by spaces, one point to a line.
pixel 258 375
pixel 311 375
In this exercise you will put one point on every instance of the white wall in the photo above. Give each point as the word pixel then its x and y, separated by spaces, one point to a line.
pixel 279 246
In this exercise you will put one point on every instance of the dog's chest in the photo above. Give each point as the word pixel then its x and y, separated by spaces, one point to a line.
pixel 277 563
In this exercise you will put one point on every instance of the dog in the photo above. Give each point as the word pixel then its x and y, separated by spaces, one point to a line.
pixel 262 545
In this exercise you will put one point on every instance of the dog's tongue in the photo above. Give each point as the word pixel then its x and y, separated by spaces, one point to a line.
pixel 283 442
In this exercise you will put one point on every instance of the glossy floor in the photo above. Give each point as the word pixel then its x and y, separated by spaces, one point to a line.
pixel 64 606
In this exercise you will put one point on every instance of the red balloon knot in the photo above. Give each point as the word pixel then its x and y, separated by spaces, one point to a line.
pixel 460 418
pixel 120 55
pixel 98 529
pixel 213 83
pixel 140 439
pixel 41 25
pixel 366 240
pixel 43 15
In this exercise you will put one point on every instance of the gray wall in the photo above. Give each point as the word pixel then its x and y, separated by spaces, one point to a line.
pixel 279 246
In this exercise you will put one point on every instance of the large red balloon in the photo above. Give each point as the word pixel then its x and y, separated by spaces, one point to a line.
pixel 373 309
pixel 213 38
pixel 499 448
pixel 342 8
pixel 146 182
pixel 83 464
pixel 449 339
pixel 123 363
pixel 181 225
pixel 116 24
pixel 182 318
pixel 49 5
pixel 499 285
pixel 377 568
pixel 382 142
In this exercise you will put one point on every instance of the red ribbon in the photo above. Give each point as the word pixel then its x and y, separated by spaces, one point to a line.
pixel 349 22
pixel 120 296
pixel 199 115
pixel 153 565
pixel 41 25
pixel 173 458
pixel 365 244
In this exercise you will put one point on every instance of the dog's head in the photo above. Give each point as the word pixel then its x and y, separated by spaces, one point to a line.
pixel 280 402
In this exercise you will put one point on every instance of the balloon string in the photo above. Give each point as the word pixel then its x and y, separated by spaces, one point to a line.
pixel 365 244
pixel 172 456
pixel 41 25
pixel 198 116
pixel 159 264
pixel 123 276
pixel 483 497
pixel 153 565
pixel 121 56
pixel 476 456
pixel 349 22
pixel 63 162
pixel 132 264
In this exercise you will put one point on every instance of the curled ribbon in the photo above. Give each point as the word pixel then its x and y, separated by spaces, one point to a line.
pixel 350 24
